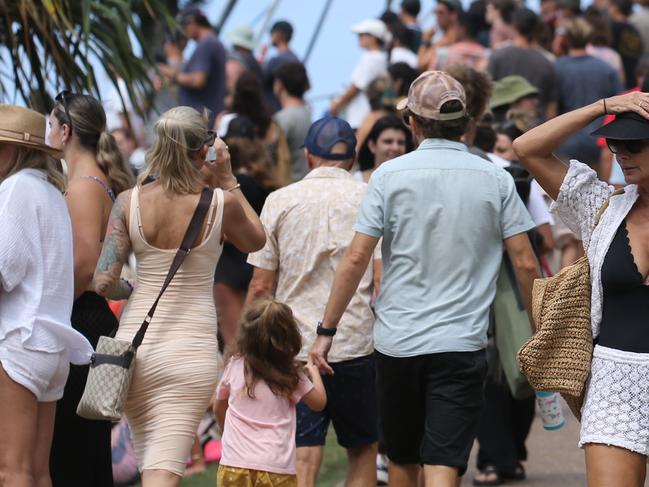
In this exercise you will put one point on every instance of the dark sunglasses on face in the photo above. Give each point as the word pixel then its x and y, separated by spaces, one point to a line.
pixel 63 97
pixel 211 138
pixel 626 146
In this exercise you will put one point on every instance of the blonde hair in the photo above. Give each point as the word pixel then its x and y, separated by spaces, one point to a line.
pixel 179 133
pixel 27 158
pixel 89 125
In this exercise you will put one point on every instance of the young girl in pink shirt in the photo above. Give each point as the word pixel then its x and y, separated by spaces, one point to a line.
pixel 256 398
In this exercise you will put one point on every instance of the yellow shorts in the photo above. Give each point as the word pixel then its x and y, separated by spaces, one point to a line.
pixel 245 477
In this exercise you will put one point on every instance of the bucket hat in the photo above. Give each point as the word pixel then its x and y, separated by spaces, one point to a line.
pixel 510 89
pixel 242 36
pixel 22 126
pixel 430 91
pixel 626 126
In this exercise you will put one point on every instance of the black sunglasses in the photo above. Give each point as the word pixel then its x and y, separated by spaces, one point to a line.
pixel 63 98
pixel 626 146
pixel 211 138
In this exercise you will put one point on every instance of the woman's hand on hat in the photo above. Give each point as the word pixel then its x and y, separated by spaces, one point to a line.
pixel 637 102
pixel 221 167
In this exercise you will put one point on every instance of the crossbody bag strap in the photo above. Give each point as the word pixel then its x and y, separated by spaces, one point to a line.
pixel 194 228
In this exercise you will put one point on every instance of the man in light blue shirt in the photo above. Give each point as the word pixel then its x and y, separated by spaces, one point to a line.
pixel 445 217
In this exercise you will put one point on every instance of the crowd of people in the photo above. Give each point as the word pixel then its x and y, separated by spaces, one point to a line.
pixel 345 273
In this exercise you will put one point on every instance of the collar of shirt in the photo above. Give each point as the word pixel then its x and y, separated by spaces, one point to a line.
pixel 442 144
pixel 329 173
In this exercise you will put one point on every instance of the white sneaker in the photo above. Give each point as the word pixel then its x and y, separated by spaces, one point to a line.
pixel 381 469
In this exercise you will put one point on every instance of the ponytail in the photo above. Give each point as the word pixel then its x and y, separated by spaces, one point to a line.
pixel 112 164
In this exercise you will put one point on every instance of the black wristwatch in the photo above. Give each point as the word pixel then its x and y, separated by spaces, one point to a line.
pixel 328 332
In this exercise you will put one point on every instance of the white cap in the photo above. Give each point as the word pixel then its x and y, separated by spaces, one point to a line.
pixel 373 27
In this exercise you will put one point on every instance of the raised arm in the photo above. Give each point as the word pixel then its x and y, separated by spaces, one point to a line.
pixel 241 224
pixel 535 149
pixel 114 253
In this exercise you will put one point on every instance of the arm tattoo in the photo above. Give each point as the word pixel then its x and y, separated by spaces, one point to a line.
pixel 114 253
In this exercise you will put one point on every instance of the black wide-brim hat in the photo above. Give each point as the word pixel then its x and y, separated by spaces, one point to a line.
pixel 626 126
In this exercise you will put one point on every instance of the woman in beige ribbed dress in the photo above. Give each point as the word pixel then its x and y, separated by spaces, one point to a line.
pixel 176 366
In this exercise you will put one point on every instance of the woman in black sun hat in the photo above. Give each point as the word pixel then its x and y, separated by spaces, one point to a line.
pixel 615 414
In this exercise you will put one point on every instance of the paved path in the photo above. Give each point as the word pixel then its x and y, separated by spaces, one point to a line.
pixel 554 458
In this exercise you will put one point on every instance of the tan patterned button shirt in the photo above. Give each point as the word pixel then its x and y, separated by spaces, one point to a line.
pixel 309 227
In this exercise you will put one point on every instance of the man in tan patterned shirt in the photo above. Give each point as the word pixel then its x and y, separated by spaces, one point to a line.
pixel 309 227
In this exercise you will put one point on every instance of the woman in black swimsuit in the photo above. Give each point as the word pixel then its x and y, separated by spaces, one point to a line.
pixel 81 453
pixel 615 414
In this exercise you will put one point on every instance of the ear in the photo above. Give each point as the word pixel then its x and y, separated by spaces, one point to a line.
pixel 309 159
pixel 66 133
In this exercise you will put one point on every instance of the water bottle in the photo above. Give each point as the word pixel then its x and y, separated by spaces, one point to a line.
pixel 549 405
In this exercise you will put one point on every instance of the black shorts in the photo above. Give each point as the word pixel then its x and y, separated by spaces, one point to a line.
pixel 351 407
pixel 430 406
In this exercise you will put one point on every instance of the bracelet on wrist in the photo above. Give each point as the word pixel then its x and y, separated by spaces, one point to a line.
pixel 236 186
pixel 128 284
pixel 605 110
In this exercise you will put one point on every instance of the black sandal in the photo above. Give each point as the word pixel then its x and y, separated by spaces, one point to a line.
pixel 517 474
pixel 489 470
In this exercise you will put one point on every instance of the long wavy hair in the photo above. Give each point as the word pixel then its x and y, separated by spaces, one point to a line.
pixel 88 123
pixel 269 340
pixel 27 158
pixel 179 133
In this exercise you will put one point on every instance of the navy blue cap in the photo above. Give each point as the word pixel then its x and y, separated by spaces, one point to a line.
pixel 327 132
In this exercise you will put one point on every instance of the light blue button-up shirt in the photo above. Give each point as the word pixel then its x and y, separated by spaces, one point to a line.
pixel 443 214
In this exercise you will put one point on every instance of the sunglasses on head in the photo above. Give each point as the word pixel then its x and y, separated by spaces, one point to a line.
pixel 626 146
pixel 63 97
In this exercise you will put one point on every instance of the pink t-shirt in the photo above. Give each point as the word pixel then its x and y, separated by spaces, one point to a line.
pixel 259 433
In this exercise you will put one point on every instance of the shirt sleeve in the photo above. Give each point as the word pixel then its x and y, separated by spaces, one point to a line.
pixel 223 389
pixel 201 60
pixel 370 214
pixel 16 218
pixel 303 388
pixel 366 71
pixel 580 198
pixel 537 208
pixel 514 217
pixel 268 257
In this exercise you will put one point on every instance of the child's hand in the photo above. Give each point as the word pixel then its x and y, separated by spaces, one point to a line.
pixel 311 370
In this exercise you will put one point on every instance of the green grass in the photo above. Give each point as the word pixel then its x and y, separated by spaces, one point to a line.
pixel 332 472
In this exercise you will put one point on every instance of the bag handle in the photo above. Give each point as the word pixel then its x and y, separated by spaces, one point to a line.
pixel 601 211
pixel 195 225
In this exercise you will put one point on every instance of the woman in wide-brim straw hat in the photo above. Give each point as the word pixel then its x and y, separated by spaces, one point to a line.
pixel 615 414
pixel 37 342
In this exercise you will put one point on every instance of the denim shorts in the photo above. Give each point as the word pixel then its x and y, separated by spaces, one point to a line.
pixel 351 407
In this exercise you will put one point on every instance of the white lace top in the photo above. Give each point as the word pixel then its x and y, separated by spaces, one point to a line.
pixel 581 196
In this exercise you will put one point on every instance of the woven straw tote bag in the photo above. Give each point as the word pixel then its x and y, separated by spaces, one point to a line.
pixel 557 357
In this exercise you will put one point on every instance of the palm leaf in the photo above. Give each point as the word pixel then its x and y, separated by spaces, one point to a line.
pixel 55 44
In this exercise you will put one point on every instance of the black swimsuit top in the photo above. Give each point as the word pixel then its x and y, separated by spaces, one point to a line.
pixel 625 314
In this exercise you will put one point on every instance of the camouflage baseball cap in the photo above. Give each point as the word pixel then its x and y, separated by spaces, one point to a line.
pixel 430 91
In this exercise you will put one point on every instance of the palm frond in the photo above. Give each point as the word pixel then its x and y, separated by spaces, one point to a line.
pixel 54 44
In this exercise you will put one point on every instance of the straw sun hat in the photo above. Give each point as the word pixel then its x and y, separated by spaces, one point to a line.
pixel 22 126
